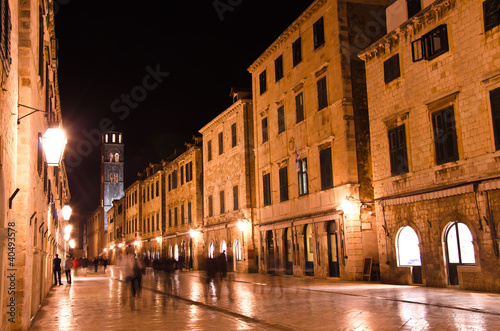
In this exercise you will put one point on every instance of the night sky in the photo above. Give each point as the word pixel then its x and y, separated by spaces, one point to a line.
pixel 158 71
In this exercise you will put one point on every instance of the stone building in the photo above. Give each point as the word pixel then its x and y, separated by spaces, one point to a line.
pixel 116 216
pixel 133 206
pixel 184 206
pixel 434 99
pixel 32 191
pixel 112 167
pixel 96 241
pixel 228 180
pixel 313 168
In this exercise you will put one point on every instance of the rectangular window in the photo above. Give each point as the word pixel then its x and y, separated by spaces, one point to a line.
pixel 319 33
pixel 169 182
pixel 233 135
pixel 262 82
pixel 189 172
pixel 297 51
pixel 397 150
pixel 5 36
pixel 209 150
pixel 144 195
pixel 325 163
pixel 391 69
pixel 495 114
pixel 189 213
pixel 149 225
pixel 413 7
pixel 266 185
pixel 182 214
pixel 175 216
pixel 174 179
pixel 235 198
pixel 445 136
pixel 170 218
pixel 221 202
pixel 136 225
pixel 40 45
pixel 221 143
pixel 265 136
pixel 182 175
pixel 39 155
pixel 283 177
pixel 210 206
pixel 491 12
pixel 152 191
pixel 322 94
pixel 281 119
pixel 278 68
pixel 157 222
pixel 303 181
pixel 157 187
pixel 431 45
pixel 299 107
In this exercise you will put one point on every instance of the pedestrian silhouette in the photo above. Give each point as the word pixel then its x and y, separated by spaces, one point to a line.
pixel 67 269
pixel 56 268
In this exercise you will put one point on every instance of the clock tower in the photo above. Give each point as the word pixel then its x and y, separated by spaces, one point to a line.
pixel 112 163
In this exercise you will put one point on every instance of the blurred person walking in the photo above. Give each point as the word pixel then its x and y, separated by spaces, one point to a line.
pixel 68 264
pixel 56 268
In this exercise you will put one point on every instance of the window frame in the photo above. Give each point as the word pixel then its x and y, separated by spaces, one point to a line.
pixel 283 182
pixel 263 82
pixel 490 16
pixel 281 119
pixel 424 47
pixel 494 96
pixel 297 51
pixel 322 91
pixel 451 131
pixel 222 203
pixel 266 187
pixel 278 68
pixel 234 138
pixel 326 168
pixel 221 143
pixel 392 69
pixel 299 107
pixel 398 152
pixel 265 130
pixel 319 33
pixel 303 177
pixel 236 204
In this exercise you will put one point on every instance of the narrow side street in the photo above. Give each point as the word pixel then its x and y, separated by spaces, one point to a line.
pixel 103 301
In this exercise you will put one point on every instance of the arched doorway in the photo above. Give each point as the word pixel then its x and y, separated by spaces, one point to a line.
pixel 308 250
pixel 176 252
pixel 236 253
pixel 459 250
pixel 408 252
pixel 190 253
pixel 289 252
pixel 270 252
pixel 223 248
pixel 333 251
pixel 211 251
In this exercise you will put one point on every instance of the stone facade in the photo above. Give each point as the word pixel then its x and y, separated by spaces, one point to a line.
pixel 32 193
pixel 312 147
pixel 228 176
pixel 133 208
pixel 433 132
pixel 96 240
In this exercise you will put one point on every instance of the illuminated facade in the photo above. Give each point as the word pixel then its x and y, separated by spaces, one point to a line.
pixel 434 99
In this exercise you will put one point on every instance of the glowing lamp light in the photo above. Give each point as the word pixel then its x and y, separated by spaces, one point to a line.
pixel 158 239
pixel 67 232
pixel 72 243
pixel 66 212
pixel 136 243
pixel 53 141
pixel 193 233
pixel 105 250
pixel 120 245
pixel 242 225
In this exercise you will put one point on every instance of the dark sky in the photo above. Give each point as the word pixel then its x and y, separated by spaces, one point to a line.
pixel 108 50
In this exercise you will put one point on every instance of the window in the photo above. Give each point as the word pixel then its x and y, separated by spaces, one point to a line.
pixel 182 175
pixel 120 209
pixel 209 150
pixel 262 82
pixel 221 201
pixel 266 184
pixel 445 136
pixel 39 154
pixel 5 33
pixel 407 249
pixel 175 216
pixel 182 214
pixel 413 7
pixel 41 63
pixel 235 198
pixel 297 52
pixel 397 150
pixel 233 135
pixel 221 143
pixel 237 250
pixel 495 114
pixel 391 69
pixel 265 136
pixel 319 33
pixel 174 179
pixel 303 181
pixel 157 222
pixel 322 94
pixel 189 172
pixel 210 206
pixel 170 182
pixel 491 12
pixel 325 162
pixel 149 225
pixel 152 191
pixel 189 212
pixel 157 188
pixel 299 107
pixel 170 217
pixel 281 119
pixel 278 68
pixel 283 177
pixel 143 195
pixel 431 44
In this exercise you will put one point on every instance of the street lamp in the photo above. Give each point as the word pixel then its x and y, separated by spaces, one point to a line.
pixel 66 212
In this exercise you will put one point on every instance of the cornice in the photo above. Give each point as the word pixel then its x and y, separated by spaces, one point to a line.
pixel 225 114
pixel 431 14
pixel 313 8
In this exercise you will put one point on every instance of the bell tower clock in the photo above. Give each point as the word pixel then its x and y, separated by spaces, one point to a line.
pixel 112 163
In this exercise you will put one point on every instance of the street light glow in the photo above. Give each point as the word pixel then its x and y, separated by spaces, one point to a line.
pixel 53 141
pixel 66 212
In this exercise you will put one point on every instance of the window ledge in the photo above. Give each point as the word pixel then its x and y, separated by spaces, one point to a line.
pixel 466 268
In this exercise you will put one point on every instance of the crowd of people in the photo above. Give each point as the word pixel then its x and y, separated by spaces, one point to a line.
pixel 71 263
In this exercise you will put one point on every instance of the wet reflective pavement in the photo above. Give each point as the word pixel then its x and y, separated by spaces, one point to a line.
pixel 184 301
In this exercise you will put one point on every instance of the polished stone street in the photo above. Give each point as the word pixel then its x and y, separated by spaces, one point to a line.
pixel 184 301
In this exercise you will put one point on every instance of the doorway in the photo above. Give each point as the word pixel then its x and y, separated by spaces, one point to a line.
pixel 333 252
pixel 309 250
pixel 459 250
pixel 270 252
pixel 289 252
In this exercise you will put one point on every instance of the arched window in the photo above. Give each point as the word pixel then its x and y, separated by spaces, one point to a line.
pixel 170 252
pixel 407 247
pixel 237 250
pixel 117 157
pixel 459 244
pixel 223 248
pixel 176 252
pixel 211 250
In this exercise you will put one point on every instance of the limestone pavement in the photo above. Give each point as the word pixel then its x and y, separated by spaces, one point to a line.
pixel 186 301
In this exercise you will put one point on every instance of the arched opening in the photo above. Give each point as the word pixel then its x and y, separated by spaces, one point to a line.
pixel 308 250
pixel 211 251
pixel 223 248
pixel 333 252
pixel 270 252
pixel 289 252
pixel 459 250
pixel 408 252
pixel 236 253
pixel 176 252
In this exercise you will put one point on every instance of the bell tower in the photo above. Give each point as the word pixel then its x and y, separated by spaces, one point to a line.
pixel 112 163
